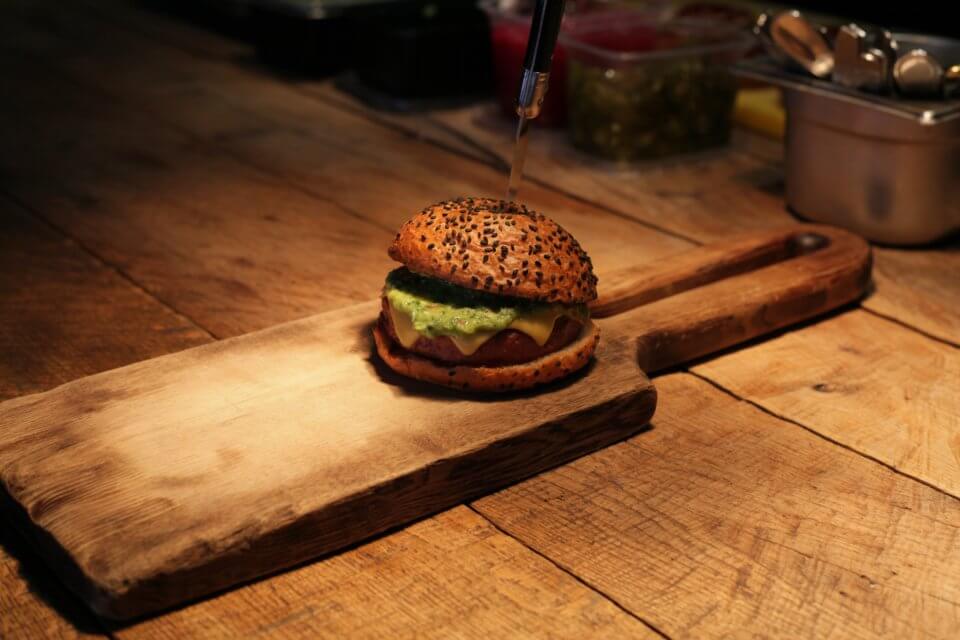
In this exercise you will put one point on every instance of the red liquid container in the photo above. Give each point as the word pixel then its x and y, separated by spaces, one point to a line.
pixel 508 35
pixel 509 30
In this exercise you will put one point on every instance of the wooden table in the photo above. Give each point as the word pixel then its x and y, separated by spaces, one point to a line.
pixel 160 190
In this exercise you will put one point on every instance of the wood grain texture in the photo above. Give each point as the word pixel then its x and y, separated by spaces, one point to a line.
pixel 33 603
pixel 63 315
pixel 825 256
pixel 866 383
pixel 702 197
pixel 833 270
pixel 723 521
pixel 173 478
pixel 100 465
pixel 915 287
pixel 450 576
pixel 643 283
pixel 925 293
pixel 921 288
pixel 93 161
pixel 228 246
pixel 104 322
pixel 250 236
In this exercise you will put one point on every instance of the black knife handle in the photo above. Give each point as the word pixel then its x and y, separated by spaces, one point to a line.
pixel 544 29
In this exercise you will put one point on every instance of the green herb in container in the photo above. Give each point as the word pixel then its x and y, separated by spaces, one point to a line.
pixel 639 89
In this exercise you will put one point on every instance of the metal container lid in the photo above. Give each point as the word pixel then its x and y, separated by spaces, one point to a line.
pixel 872 114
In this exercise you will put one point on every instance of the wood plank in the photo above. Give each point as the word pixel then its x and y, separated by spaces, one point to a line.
pixel 724 521
pixel 223 243
pixel 921 288
pixel 740 254
pixel 494 583
pixel 451 576
pixel 64 315
pixel 170 441
pixel 864 382
pixel 173 478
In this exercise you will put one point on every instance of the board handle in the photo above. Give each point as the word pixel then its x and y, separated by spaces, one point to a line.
pixel 718 295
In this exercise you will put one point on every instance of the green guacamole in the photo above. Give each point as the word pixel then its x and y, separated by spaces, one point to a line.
pixel 439 308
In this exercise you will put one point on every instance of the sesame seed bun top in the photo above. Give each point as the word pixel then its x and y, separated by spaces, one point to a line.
pixel 496 246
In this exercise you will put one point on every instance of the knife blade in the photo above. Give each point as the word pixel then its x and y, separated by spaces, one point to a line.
pixel 534 81
pixel 519 157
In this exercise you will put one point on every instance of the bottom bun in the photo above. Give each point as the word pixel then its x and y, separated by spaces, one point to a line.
pixel 479 378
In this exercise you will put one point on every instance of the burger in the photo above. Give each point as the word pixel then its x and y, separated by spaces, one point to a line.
pixel 491 297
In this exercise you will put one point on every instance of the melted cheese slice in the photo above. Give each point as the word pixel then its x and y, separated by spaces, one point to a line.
pixel 538 326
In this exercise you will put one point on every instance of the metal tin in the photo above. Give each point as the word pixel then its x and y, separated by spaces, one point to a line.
pixel 888 169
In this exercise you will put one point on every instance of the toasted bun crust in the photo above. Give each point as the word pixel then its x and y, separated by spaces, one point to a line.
pixel 496 246
pixel 478 378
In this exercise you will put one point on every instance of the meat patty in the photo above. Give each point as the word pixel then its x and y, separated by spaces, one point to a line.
pixel 506 347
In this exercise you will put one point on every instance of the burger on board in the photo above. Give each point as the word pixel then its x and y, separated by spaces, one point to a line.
pixel 491 297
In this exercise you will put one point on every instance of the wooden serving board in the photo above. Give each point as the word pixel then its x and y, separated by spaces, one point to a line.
pixel 173 478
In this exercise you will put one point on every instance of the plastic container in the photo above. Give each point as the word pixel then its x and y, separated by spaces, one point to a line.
pixel 509 30
pixel 643 89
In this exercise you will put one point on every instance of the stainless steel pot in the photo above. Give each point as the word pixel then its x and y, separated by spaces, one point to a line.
pixel 886 168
